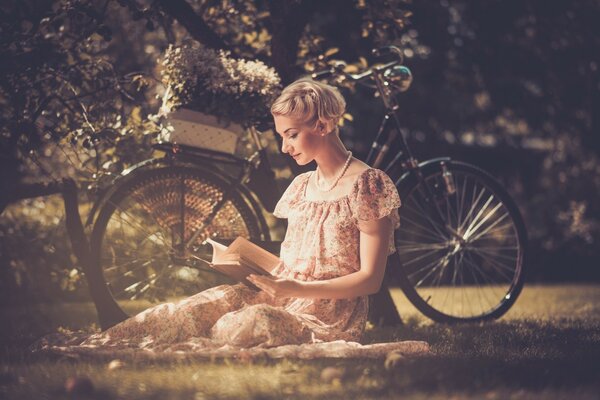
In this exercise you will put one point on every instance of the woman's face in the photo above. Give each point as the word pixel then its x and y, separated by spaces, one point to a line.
pixel 299 140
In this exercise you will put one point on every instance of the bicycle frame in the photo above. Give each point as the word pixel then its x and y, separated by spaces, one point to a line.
pixel 404 163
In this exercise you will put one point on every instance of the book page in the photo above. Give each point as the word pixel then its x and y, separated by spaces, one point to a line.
pixel 233 270
pixel 242 258
pixel 253 255
pixel 219 250
pixel 238 272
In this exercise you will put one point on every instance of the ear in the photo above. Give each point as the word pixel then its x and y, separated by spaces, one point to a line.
pixel 322 128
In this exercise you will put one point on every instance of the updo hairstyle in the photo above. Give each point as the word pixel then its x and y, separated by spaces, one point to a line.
pixel 311 101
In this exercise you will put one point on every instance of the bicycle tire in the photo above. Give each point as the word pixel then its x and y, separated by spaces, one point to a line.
pixel 481 274
pixel 136 239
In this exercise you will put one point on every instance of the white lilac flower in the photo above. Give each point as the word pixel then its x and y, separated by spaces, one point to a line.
pixel 197 75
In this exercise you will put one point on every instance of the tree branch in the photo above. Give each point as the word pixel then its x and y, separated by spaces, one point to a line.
pixel 193 23
pixel 288 19
pixel 30 190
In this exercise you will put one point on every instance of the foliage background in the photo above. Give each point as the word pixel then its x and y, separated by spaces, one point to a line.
pixel 509 85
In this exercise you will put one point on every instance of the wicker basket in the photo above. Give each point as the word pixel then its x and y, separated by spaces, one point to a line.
pixel 193 128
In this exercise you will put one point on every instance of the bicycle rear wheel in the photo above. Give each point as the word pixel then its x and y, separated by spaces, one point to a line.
pixel 462 244
pixel 141 238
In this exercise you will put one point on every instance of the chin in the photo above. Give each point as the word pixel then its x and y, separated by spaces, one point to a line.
pixel 302 161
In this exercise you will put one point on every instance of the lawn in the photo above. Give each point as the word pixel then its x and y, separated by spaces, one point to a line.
pixel 547 346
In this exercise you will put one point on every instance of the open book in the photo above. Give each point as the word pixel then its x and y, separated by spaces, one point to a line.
pixel 242 258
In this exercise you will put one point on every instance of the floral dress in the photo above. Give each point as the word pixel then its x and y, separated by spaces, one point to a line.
pixel 321 242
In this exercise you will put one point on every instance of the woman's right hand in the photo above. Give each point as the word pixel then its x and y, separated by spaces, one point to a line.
pixel 277 287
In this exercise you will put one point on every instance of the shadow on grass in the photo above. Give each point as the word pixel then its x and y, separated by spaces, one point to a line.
pixel 526 354
pixel 514 354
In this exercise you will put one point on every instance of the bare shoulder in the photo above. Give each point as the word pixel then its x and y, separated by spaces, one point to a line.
pixel 356 168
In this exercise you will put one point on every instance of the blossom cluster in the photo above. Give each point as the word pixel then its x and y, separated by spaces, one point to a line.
pixel 216 83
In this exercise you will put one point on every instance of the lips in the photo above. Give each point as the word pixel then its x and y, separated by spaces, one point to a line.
pixel 295 155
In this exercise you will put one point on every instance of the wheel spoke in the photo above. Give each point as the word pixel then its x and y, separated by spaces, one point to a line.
pixel 417 270
pixel 476 223
pixel 420 226
pixel 491 254
pixel 141 227
pixel 478 289
pixel 480 292
pixel 489 282
pixel 483 220
pixel 425 214
pixel 466 269
pixel 126 266
pixel 420 247
pixel 494 286
pixel 500 268
pixel 438 263
pixel 151 279
pixel 492 228
pixel 461 203
pixel 474 204
pixel 422 256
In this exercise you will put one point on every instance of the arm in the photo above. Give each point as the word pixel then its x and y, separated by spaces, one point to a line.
pixel 374 242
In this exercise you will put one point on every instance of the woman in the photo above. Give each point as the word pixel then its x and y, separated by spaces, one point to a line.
pixel 341 219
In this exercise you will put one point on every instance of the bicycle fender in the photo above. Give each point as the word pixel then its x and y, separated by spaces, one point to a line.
pixel 422 165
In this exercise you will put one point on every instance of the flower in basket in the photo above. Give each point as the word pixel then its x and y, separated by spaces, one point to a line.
pixel 215 83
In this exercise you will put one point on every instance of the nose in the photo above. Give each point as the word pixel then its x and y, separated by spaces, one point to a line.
pixel 284 146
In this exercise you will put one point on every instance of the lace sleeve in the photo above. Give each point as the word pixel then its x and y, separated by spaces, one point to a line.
pixel 290 197
pixel 374 196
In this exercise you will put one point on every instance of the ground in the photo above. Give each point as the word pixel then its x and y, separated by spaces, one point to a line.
pixel 546 347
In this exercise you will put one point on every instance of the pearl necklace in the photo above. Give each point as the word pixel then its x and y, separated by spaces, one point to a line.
pixel 346 164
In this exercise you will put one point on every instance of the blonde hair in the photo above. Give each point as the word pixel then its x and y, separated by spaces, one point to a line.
pixel 310 101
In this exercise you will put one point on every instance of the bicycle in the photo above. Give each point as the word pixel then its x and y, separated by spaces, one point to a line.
pixel 462 240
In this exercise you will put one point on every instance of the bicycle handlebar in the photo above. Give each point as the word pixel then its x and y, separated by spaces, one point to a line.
pixel 391 49
pixel 338 67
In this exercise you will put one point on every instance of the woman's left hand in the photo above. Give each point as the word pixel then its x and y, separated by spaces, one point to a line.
pixel 277 287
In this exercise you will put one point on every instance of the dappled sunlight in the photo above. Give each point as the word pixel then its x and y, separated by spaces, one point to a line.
pixel 541 301
pixel 466 300
pixel 545 342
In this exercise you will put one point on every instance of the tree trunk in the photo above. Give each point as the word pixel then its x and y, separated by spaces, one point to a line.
pixel 109 313
pixel 288 20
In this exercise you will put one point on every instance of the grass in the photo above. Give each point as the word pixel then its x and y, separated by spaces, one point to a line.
pixel 547 346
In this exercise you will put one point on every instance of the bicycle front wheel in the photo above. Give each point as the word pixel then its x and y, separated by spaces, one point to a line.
pixel 461 242
pixel 147 239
